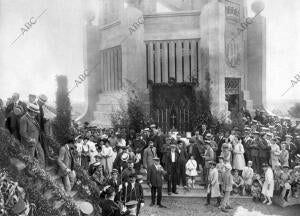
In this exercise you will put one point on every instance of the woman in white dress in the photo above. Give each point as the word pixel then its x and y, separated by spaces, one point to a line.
pixel 268 186
pixel 238 154
pixel 275 153
pixel 106 156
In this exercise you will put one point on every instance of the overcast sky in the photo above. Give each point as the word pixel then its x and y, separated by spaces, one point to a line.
pixel 54 46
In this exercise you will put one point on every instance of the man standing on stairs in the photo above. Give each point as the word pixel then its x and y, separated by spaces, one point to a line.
pixel 181 163
pixel 65 163
pixel 149 154
pixel 42 99
pixel 30 132
pixel 172 169
pixel 155 181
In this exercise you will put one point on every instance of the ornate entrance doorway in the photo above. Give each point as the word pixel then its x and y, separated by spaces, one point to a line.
pixel 172 106
pixel 232 93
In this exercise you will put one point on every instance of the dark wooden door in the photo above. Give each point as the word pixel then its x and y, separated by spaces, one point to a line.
pixel 172 106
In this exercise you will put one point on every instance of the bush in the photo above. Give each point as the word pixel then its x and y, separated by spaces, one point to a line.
pixel 62 122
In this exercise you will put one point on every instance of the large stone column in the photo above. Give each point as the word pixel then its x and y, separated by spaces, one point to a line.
pixel 91 63
pixel 133 48
pixel 256 50
pixel 212 45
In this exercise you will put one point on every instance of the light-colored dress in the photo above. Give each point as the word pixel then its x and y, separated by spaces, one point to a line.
pixel 191 168
pixel 275 153
pixel 238 157
pixel 106 158
pixel 213 181
pixel 269 180
pixel 247 175
pixel 92 151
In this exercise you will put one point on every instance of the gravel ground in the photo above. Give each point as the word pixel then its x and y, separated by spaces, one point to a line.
pixel 195 207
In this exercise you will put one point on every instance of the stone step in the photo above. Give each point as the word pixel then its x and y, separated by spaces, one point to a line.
pixel 291 201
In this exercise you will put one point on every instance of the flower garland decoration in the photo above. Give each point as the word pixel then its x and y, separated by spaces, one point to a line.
pixel 13 149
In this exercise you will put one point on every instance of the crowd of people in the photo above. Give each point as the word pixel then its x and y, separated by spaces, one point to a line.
pixel 261 160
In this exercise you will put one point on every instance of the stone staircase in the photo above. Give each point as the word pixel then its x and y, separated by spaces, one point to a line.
pixel 291 201
pixel 198 192
pixel 52 171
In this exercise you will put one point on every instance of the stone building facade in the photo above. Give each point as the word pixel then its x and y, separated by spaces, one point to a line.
pixel 135 47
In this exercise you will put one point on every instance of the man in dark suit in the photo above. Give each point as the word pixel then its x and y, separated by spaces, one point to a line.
pixel 42 99
pixel 30 132
pixel 65 163
pixel 204 130
pixel 109 207
pixel 115 182
pixel 155 181
pixel 13 112
pixel 182 159
pixel 133 190
pixel 172 169
pixel 220 139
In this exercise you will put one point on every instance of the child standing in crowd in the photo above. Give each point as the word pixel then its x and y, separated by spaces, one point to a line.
pixel 256 190
pixel 285 186
pixel 221 170
pixel 191 171
pixel 268 186
pixel 213 189
pixel 247 175
pixel 227 187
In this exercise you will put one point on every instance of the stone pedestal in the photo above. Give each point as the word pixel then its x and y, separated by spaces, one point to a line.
pixel 212 45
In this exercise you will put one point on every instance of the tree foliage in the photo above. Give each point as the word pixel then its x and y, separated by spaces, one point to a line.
pixel 62 122
pixel 295 110
pixel 202 112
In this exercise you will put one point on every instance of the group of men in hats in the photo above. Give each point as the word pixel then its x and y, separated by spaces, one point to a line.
pixel 123 197
pixel 27 123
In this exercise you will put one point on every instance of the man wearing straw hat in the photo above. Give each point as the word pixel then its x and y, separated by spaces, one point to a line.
pixel 30 132
pixel 41 101
pixel 155 181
